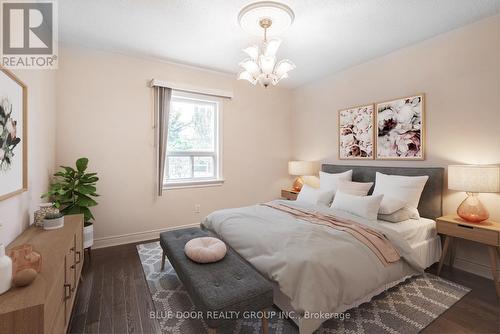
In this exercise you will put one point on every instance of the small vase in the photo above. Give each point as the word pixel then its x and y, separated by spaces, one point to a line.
pixel 24 257
pixel 472 210
pixel 5 271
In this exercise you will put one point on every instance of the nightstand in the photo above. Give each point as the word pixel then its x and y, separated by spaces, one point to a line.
pixel 288 194
pixel 486 233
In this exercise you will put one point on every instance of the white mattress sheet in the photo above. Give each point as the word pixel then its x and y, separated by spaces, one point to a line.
pixel 414 231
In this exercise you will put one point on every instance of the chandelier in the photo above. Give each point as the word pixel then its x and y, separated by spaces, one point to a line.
pixel 262 66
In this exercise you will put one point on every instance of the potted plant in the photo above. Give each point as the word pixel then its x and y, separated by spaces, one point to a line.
pixel 73 192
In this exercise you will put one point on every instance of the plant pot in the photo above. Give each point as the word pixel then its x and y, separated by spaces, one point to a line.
pixel 53 224
pixel 88 235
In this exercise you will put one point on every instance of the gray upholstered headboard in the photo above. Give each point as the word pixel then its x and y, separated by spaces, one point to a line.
pixel 430 205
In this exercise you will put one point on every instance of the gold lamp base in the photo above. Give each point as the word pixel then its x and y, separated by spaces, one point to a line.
pixel 297 184
pixel 472 210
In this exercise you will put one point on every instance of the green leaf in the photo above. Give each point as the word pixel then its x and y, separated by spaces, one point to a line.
pixel 81 164
pixel 71 210
pixel 88 216
pixel 69 170
pixel 86 189
pixel 89 180
pixel 85 201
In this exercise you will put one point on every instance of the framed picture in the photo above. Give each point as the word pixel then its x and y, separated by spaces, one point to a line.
pixel 400 129
pixel 13 135
pixel 356 133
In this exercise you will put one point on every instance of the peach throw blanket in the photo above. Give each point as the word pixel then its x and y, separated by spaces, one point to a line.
pixel 374 240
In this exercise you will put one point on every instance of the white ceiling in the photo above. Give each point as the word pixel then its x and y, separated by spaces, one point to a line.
pixel 327 35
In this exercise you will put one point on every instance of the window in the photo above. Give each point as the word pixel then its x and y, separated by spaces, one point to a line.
pixel 193 144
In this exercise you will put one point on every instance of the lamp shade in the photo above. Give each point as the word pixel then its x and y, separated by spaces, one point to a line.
pixel 474 178
pixel 302 168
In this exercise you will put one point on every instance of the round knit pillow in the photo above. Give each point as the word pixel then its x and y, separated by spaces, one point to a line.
pixel 205 250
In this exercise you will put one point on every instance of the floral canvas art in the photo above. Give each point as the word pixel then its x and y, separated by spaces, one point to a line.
pixel 400 128
pixel 356 133
pixel 13 178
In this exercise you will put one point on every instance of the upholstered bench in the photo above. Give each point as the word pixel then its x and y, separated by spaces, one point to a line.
pixel 230 285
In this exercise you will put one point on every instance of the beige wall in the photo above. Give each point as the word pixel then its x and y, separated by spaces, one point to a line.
pixel 104 112
pixel 460 74
pixel 15 212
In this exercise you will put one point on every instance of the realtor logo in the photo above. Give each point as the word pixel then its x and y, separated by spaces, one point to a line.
pixel 29 34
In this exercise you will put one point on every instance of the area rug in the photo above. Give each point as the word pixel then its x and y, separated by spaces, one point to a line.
pixel 406 308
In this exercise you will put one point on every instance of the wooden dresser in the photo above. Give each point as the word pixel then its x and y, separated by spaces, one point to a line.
pixel 45 305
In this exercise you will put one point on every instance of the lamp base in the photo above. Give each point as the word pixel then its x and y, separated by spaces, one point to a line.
pixel 297 184
pixel 472 210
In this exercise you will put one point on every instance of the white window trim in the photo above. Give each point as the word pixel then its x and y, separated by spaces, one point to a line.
pixel 218 180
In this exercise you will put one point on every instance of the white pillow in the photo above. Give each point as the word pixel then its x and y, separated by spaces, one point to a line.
pixel 354 188
pixel 404 188
pixel 329 181
pixel 362 206
pixel 400 215
pixel 314 196
pixel 390 205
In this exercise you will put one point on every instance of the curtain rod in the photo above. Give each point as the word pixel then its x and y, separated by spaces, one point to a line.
pixel 192 89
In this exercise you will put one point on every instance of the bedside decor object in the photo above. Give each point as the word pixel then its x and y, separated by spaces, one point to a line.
pixel 24 257
pixel 474 179
pixel 13 135
pixel 39 214
pixel 53 221
pixel 301 168
pixel 400 129
pixel 356 133
pixel 73 192
pixel 5 270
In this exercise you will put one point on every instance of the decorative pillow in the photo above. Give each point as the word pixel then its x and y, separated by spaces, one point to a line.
pixel 400 215
pixel 205 249
pixel 404 188
pixel 328 181
pixel 354 188
pixel 362 206
pixel 314 196
pixel 390 205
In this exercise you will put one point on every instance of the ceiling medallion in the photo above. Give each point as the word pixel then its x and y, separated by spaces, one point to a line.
pixel 271 18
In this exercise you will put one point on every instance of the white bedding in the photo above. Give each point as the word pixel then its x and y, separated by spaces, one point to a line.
pixel 318 268
pixel 414 231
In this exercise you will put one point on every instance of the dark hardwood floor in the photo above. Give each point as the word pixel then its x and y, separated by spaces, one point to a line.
pixel 114 298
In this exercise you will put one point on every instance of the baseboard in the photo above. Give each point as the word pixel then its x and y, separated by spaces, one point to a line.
pixel 474 268
pixel 135 237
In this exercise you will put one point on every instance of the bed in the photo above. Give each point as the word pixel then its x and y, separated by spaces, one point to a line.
pixel 311 281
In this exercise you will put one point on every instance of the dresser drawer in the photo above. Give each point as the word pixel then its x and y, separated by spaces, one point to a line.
pixel 55 301
pixel 469 232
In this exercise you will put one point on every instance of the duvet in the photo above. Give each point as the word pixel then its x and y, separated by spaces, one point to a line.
pixel 319 268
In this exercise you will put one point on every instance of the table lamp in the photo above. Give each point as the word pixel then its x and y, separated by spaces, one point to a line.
pixel 474 179
pixel 301 168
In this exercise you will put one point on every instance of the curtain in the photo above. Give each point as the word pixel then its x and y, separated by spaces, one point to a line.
pixel 162 111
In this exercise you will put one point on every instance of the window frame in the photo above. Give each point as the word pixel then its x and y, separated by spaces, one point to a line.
pixel 217 179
